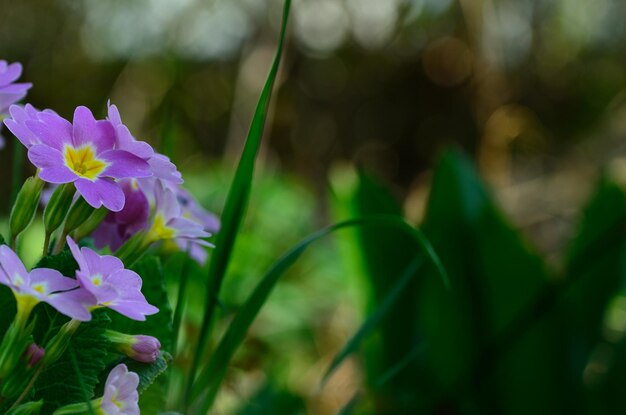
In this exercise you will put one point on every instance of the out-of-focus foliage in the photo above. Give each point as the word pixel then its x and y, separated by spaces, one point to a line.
pixel 511 335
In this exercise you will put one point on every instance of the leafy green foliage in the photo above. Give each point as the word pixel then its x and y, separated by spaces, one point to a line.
pixel 7 305
pixel 213 373
pixel 59 383
pixel 375 317
pixel 495 278
pixel 148 372
pixel 63 262
pixel 271 399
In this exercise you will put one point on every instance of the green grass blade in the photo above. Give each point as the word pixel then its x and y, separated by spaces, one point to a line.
pixel 389 374
pixel 235 206
pixel 374 318
pixel 351 405
pixel 213 373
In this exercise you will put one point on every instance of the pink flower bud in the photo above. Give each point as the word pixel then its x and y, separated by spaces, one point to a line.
pixel 146 349
pixel 33 354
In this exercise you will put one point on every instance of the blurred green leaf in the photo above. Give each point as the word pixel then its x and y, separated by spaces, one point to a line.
pixel 375 317
pixel 595 275
pixel 594 263
pixel 213 373
pixel 270 400
pixel 8 307
pixel 495 277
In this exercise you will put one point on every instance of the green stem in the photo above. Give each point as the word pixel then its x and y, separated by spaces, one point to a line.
pixel 18 165
pixel 46 244
pixel 28 387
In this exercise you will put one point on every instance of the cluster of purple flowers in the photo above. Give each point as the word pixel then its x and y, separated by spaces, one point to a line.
pixel 110 168
pixel 10 91
pixel 144 204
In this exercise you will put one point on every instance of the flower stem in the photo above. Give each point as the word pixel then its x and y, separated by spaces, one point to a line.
pixel 46 244
pixel 60 244
pixel 28 387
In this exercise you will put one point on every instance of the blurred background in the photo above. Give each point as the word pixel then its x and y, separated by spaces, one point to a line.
pixel 534 91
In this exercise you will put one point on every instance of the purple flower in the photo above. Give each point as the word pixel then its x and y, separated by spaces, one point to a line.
pixel 160 166
pixel 82 153
pixel 17 123
pixel 117 227
pixel 113 286
pixel 168 221
pixel 120 393
pixel 194 211
pixel 10 92
pixel 145 349
pixel 43 285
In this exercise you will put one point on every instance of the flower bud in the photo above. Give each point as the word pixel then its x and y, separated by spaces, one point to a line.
pixel 139 347
pixel 90 224
pixel 33 354
pixel 133 248
pixel 25 206
pixel 79 213
pixel 58 344
pixel 56 209
pixel 28 408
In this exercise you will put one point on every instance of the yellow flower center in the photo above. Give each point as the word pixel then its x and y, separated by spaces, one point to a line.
pixel 116 402
pixel 40 288
pixel 96 280
pixel 83 161
pixel 160 230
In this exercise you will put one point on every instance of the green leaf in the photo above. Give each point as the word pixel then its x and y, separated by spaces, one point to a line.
pixel 594 261
pixel 63 262
pixel 158 325
pixel 270 399
pixel 595 275
pixel 28 408
pixel 148 372
pixel 59 383
pixel 473 357
pixel 213 373
pixel 235 207
pixel 382 257
pixel 8 307
pixel 375 317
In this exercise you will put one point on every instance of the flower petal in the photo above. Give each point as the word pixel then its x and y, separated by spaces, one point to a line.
pixel 12 266
pixel 74 304
pixel 101 191
pixel 55 281
pixel 124 165
pixel 86 130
